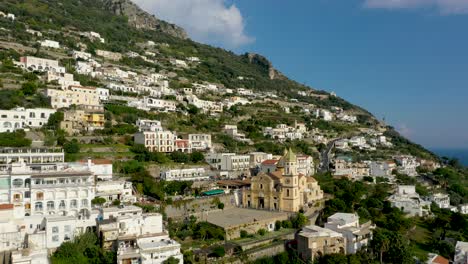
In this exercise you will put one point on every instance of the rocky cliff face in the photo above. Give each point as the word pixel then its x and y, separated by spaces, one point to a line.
pixel 141 19
pixel 266 65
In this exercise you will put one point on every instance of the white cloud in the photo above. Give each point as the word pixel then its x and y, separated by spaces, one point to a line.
pixel 444 6
pixel 208 21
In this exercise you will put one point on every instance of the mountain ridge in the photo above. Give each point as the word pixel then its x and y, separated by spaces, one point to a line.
pixel 141 19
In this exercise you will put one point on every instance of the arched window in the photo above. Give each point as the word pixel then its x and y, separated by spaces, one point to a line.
pixel 50 205
pixel 38 206
pixel 84 202
pixel 16 197
pixel 73 204
pixel 39 196
pixel 62 205
pixel 287 192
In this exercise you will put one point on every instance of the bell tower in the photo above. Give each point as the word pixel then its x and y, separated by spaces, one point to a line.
pixel 290 183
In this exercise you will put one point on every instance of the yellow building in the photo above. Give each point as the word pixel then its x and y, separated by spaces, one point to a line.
pixel 282 190
pixel 76 121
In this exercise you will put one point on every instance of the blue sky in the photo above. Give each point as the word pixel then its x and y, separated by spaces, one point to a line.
pixel 404 60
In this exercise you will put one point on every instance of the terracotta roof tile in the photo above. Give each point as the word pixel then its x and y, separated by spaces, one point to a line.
pixel 440 260
pixel 270 162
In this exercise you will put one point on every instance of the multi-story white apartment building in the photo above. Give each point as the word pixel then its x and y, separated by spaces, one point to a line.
pixel 149 125
pixel 407 165
pixel 101 168
pixel 38 64
pixel 282 132
pixel 81 55
pixel 58 191
pixel 204 105
pixel 115 190
pixel 138 237
pixel 356 235
pixel 63 79
pixel 148 103
pixel 103 94
pixel 442 200
pixel 305 165
pixel 50 44
pixel 36 158
pixel 74 95
pixel 184 174
pixel 407 199
pixel 158 141
pixel 200 141
pixel 382 168
pixel 21 118
pixel 228 161
pixel 348 169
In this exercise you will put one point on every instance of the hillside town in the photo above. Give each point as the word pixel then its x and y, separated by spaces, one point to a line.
pixel 157 167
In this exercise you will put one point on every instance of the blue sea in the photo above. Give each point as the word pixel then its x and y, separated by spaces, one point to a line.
pixel 460 154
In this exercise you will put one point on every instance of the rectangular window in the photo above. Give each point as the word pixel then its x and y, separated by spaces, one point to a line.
pixel 55 238
pixel 55 229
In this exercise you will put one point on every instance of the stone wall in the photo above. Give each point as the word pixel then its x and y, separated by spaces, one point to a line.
pixel 198 206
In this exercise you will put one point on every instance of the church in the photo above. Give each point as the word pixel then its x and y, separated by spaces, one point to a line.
pixel 282 190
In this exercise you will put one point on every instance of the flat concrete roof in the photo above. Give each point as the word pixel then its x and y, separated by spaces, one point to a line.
pixel 239 216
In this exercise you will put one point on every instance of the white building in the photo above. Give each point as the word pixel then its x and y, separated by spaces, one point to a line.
pixel 407 199
pixel 81 55
pixel 228 161
pixel 50 44
pixel 204 105
pixel 232 131
pixel 305 165
pixel 21 118
pixel 115 190
pixel 158 141
pixel 93 36
pixel 461 253
pixel 74 95
pixel 442 200
pixel 243 91
pixel 463 208
pixel 356 235
pixel 200 141
pixel 179 63
pixel 138 237
pixel 103 94
pixel 148 103
pixel 324 114
pixel 149 125
pixel 407 165
pixel 357 141
pixel 101 168
pixel 187 174
pixel 38 64
pixel 282 132
pixel 58 191
pixel 36 158
pixel 382 168
pixel 63 79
